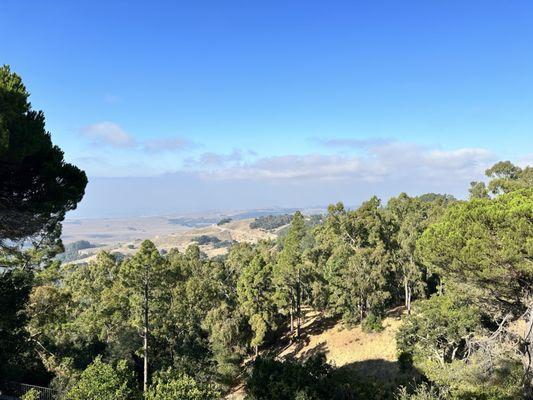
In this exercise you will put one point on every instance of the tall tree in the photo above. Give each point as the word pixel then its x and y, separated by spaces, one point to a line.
pixel 255 297
pixel 37 188
pixel 506 177
pixel 144 277
pixel 289 273
pixel 357 258
pixel 410 216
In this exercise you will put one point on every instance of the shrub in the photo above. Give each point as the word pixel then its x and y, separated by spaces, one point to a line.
pixel 168 385
pixel 101 381
pixel 278 380
pixel 422 392
pixel 31 394
pixel 372 323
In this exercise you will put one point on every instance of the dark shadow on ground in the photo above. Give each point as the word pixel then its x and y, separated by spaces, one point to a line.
pixel 282 339
pixel 386 373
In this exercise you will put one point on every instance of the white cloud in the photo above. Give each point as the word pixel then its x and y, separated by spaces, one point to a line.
pixel 166 144
pixel 388 161
pixel 108 134
pixel 111 134
pixel 214 160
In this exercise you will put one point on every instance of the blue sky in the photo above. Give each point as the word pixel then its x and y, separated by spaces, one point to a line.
pixel 249 104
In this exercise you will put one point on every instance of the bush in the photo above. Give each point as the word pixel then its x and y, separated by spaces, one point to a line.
pixel 224 221
pixel 101 381
pixel 171 386
pixel 279 380
pixel 372 323
pixel 31 394
pixel 422 392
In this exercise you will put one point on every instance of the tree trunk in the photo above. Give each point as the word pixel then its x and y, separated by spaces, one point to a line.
pixel 256 349
pixel 145 337
pixel 408 294
pixel 361 308
pixel 298 306
pixel 292 320
pixel 527 357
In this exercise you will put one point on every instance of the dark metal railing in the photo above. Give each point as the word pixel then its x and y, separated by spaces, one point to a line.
pixel 18 390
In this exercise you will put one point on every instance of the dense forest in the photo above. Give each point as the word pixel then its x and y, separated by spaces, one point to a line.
pixel 182 326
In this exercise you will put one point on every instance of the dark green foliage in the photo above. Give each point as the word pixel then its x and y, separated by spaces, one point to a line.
pixel 478 190
pixel 254 291
pixel 271 222
pixel 372 323
pixel 212 240
pixel 37 187
pixel 422 392
pixel 440 327
pixel 102 381
pixel 354 251
pixel 437 198
pixel 313 378
pixel 78 245
pixel 15 287
pixel 488 243
pixel 506 177
pixel 169 385
pixel 291 275
pixel 205 239
pixel 224 221
pixel 286 380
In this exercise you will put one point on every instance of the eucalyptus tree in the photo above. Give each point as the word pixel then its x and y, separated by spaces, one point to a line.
pixel 504 177
pixel 410 216
pixel 356 257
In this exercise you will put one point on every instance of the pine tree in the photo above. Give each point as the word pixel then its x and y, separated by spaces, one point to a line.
pixel 144 276
pixel 255 298
pixel 290 273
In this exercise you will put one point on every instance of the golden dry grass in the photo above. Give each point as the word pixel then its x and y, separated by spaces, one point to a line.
pixel 354 352
pixel 343 345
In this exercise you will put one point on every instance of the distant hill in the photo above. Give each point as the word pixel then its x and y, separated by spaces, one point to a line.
pixel 214 240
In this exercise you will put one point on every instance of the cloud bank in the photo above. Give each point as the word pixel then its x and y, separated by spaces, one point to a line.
pixel 379 163
pixel 243 180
